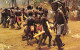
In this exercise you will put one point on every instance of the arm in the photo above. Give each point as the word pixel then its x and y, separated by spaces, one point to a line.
pixel 53 26
pixel 25 22
pixel 51 22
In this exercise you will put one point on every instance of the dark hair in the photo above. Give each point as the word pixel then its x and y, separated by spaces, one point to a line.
pixel 5 9
pixel 12 8
pixel 30 13
pixel 37 7
pixel 40 8
pixel 54 5
pixel 36 13
pixel 30 7
pixel 17 8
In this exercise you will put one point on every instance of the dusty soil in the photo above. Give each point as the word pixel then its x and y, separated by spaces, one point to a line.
pixel 10 39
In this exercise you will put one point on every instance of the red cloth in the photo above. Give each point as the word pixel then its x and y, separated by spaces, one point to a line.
pixel 40 28
pixel 17 18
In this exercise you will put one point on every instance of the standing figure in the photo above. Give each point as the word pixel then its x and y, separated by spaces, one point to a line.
pixel 45 28
pixel 29 27
pixel 5 18
pixel 18 17
pixel 60 23
pixel 65 11
pixel 23 11
pixel 12 18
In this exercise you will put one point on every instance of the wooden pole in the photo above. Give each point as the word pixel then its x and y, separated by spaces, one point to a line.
pixel 12 2
pixel 28 2
pixel 15 3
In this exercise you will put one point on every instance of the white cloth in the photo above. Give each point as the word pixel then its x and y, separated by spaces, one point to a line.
pixel 59 29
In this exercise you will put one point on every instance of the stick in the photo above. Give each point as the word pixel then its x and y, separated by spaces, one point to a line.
pixel 40 33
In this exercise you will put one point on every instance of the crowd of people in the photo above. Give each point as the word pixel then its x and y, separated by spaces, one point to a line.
pixel 36 21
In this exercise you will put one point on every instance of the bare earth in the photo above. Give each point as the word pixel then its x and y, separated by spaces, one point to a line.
pixel 10 39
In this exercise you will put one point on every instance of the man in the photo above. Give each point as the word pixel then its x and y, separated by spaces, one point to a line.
pixel 18 17
pixel 60 23
pixel 12 17
pixel 29 23
pixel 45 28
pixel 65 11
pixel 5 18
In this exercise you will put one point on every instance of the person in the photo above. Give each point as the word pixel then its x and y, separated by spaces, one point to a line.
pixel 4 18
pixel 45 28
pixel 1 18
pixel 60 23
pixel 40 11
pixel 23 11
pixel 38 26
pixel 29 24
pixel 65 11
pixel 18 17
pixel 29 9
pixel 12 18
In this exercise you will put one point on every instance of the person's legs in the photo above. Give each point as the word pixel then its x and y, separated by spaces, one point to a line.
pixel 44 37
pixel 4 22
pixel 48 34
pixel 39 43
pixel 58 41
pixel 57 38
pixel 8 23
pixel 27 34
pixel 18 20
pixel 2 18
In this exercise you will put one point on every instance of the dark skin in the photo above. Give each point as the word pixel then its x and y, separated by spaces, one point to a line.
pixel 12 15
pixel 54 8
pixel 29 23
pixel 5 15
pixel 18 14
pixel 37 20
pixel 59 19
pixel 64 9
pixel 45 27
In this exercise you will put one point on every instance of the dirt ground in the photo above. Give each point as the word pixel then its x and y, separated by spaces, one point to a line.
pixel 10 39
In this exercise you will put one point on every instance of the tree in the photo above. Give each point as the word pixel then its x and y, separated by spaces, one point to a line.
pixel 74 4
pixel 50 1
pixel 14 3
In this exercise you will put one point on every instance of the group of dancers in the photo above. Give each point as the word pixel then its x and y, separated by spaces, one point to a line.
pixel 36 22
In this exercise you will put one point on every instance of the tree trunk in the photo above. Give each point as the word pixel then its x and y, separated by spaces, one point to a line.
pixel 12 2
pixel 28 2
pixel 74 4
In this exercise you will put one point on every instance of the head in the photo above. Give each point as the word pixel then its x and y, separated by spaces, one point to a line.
pixel 30 13
pixel 40 8
pixel 54 6
pixel 36 13
pixel 37 8
pixel 45 11
pixel 29 7
pixel 17 8
pixel 5 9
pixel 23 9
pixel 12 8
